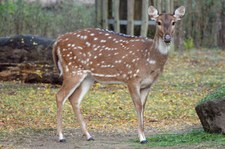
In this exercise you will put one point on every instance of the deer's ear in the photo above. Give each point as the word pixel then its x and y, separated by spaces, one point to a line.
pixel 179 13
pixel 153 12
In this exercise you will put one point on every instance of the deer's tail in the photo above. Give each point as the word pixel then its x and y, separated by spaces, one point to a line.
pixel 56 59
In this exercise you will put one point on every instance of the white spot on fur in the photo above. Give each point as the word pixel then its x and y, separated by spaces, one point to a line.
pixel 103 41
pixel 67 69
pixel 150 61
pixel 88 44
pixel 105 75
pixel 83 37
pixel 79 47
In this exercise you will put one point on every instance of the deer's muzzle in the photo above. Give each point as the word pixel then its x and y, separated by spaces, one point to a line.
pixel 167 38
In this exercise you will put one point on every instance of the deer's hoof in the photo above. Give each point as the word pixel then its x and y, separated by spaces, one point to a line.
pixel 62 140
pixel 90 139
pixel 144 142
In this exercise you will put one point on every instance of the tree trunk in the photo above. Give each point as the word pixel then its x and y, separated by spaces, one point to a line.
pixel 179 37
pixel 222 30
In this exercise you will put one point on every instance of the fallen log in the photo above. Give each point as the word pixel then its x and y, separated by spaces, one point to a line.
pixel 25 48
pixel 29 73
pixel 27 58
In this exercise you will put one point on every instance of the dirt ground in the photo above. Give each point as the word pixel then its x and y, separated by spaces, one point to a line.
pixel 47 139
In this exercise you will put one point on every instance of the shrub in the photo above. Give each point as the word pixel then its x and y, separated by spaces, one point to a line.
pixel 22 18
pixel 188 43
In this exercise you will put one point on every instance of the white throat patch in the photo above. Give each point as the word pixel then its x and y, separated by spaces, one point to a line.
pixel 162 46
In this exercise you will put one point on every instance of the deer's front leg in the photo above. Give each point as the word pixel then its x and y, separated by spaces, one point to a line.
pixel 144 95
pixel 135 93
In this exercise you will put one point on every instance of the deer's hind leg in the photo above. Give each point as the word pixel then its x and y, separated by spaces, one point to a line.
pixel 70 84
pixel 75 100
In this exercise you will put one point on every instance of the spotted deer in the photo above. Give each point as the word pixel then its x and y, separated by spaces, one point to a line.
pixel 97 55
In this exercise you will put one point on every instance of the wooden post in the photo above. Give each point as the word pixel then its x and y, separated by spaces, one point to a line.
pixel 116 6
pixel 159 6
pixel 98 13
pixel 168 6
pixel 144 25
pixel 105 14
pixel 130 17
pixel 171 6
pixel 171 11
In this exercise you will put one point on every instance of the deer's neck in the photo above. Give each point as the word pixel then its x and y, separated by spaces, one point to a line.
pixel 160 45
pixel 158 53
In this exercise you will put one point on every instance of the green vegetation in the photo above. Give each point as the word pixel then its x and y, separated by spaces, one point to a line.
pixel 188 44
pixel 219 94
pixel 195 137
pixel 22 18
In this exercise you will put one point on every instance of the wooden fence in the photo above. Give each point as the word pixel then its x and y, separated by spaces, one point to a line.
pixel 110 12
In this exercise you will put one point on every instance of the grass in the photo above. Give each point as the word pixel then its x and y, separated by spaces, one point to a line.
pixel 195 137
pixel 171 104
pixel 219 94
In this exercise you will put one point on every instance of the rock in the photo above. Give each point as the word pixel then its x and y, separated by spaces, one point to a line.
pixel 212 116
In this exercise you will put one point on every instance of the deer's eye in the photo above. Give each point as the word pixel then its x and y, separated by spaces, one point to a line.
pixel 159 23
pixel 173 23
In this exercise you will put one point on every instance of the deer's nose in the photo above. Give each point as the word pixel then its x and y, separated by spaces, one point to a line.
pixel 167 38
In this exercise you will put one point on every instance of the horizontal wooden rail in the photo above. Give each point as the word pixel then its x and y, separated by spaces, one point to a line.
pixel 124 22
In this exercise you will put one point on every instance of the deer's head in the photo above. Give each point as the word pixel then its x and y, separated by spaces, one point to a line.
pixel 166 22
